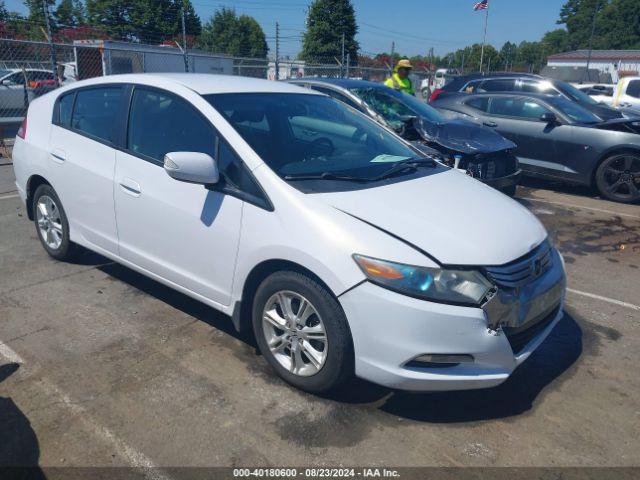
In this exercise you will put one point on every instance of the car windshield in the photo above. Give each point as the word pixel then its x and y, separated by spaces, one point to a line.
pixel 574 94
pixel 303 135
pixel 574 111
pixel 395 107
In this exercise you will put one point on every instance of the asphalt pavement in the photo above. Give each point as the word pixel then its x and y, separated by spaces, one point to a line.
pixel 100 366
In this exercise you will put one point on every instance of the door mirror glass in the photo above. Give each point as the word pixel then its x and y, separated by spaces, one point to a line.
pixel 549 118
pixel 192 167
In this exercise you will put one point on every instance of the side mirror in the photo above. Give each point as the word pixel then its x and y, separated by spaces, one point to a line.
pixel 192 167
pixel 549 118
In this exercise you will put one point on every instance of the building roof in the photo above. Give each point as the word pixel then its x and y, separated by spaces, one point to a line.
pixel 613 55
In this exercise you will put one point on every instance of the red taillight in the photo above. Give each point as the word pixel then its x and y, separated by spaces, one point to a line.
pixel 436 93
pixel 22 131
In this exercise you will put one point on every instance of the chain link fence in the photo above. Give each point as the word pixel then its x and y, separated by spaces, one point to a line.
pixel 29 69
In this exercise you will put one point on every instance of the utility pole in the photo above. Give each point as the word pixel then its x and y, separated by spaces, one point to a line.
pixel 184 40
pixel 462 64
pixel 54 61
pixel 277 62
pixel 593 31
pixel 484 38
pixel 393 52
pixel 343 58
pixel 348 65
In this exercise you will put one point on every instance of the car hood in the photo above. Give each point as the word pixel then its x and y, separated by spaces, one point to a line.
pixel 450 216
pixel 463 136
pixel 626 125
pixel 603 111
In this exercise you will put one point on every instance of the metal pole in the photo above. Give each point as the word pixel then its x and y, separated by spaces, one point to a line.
pixel 348 64
pixel 277 62
pixel 484 38
pixel 393 52
pixel 593 31
pixel 342 63
pixel 184 41
pixel 54 61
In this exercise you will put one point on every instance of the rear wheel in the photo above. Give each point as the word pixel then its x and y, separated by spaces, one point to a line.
pixel 52 224
pixel 618 178
pixel 302 332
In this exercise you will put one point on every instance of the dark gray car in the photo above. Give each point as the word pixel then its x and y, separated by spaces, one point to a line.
pixel 480 151
pixel 558 139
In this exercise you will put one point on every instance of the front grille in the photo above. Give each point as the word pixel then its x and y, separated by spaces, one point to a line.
pixel 488 166
pixel 519 338
pixel 522 271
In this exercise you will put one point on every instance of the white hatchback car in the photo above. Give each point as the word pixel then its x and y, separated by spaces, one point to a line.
pixel 345 250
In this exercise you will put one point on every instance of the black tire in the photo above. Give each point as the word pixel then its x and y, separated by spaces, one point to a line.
pixel 510 191
pixel 618 178
pixel 67 250
pixel 339 364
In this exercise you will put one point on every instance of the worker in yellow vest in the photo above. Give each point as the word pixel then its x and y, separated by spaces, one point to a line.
pixel 400 79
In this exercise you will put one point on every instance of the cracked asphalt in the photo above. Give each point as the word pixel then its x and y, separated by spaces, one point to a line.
pixel 100 366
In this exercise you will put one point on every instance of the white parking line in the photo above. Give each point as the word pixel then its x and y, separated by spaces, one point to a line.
pixel 134 457
pixel 5 197
pixel 568 205
pixel 605 299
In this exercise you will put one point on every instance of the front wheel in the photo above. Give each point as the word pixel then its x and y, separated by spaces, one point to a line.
pixel 302 332
pixel 618 178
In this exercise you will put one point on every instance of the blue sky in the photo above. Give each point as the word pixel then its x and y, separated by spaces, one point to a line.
pixel 444 25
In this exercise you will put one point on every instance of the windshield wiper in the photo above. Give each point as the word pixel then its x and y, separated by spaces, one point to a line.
pixel 326 176
pixel 411 164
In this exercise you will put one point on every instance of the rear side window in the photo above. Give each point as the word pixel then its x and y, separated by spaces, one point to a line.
pixel 66 110
pixel 633 89
pixel 517 107
pixel 160 123
pixel 481 103
pixel 96 112
pixel 497 85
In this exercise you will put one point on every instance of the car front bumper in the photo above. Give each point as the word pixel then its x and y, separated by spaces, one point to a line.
pixel 504 182
pixel 390 330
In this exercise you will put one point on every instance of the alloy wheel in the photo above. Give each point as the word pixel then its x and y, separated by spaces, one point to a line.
pixel 49 222
pixel 295 333
pixel 621 177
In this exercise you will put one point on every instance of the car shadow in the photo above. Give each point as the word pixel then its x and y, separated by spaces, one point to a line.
pixel 19 447
pixel 516 396
pixel 530 183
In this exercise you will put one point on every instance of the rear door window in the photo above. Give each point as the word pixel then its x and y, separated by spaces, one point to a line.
pixel 498 85
pixel 66 110
pixel 479 103
pixel 633 89
pixel 96 112
pixel 524 108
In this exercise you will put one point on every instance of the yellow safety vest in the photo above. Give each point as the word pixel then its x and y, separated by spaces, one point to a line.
pixel 397 83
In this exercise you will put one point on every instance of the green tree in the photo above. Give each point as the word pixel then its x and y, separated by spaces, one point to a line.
pixel 619 25
pixel 227 33
pixel 70 13
pixel 156 21
pixel 577 17
pixel 4 14
pixel 36 11
pixel 509 55
pixel 556 41
pixel 327 23
pixel 111 16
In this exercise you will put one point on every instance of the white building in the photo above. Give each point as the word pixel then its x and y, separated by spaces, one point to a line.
pixel 617 63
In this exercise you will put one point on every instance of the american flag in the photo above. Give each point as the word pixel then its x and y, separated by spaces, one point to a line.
pixel 483 5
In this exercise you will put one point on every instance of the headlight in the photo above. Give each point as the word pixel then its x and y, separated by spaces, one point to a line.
pixel 467 287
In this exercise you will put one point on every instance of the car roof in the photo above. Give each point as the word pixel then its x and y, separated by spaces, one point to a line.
pixel 202 83
pixel 478 76
pixel 347 83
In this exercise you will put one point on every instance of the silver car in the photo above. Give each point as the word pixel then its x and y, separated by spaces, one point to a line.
pixel 14 92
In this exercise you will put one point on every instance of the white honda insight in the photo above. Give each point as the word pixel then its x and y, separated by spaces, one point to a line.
pixel 343 248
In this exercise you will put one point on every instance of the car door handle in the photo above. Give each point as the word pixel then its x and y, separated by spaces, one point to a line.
pixel 58 156
pixel 130 187
pixel 490 124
